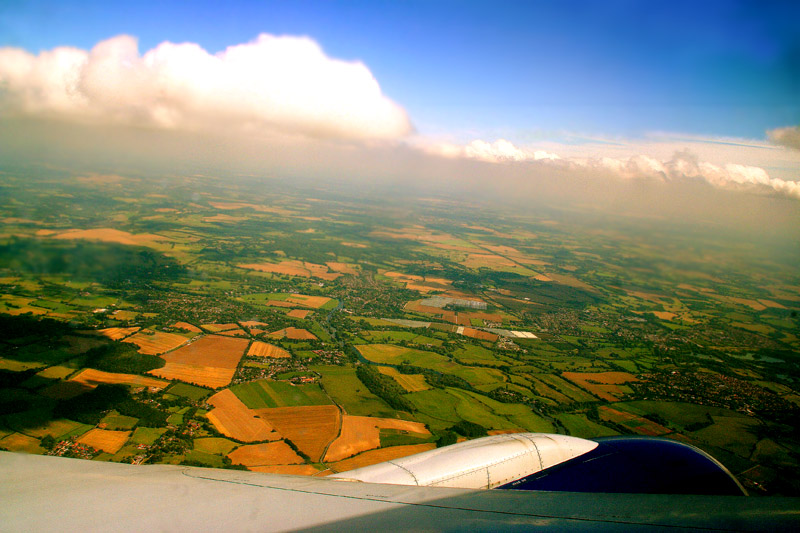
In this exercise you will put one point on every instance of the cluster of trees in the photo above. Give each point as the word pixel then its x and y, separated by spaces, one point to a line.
pixel 384 387
pixel 122 358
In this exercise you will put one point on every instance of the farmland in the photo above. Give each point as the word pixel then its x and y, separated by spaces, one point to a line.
pixel 249 321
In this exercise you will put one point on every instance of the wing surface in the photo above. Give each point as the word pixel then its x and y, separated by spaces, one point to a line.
pixel 40 493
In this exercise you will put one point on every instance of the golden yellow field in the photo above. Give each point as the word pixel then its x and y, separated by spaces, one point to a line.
pixel 254 323
pixel 116 334
pixel 156 342
pixel 232 418
pixel 410 382
pixel 361 433
pixel 233 333
pixel 298 313
pixel 310 428
pixel 271 453
pixel 105 440
pixel 294 268
pixel 112 235
pixel 220 327
pixel 373 457
pixel 293 333
pixel 263 349
pixel 315 302
pixel 17 442
pixel 294 470
pixel 206 376
pixel 90 377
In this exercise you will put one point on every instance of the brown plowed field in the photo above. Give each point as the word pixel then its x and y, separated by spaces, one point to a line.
pixel 116 334
pixel 92 378
pixel 293 333
pixel 314 302
pixel 604 385
pixel 480 335
pixel 310 428
pixel 263 349
pixel 361 433
pixel 220 327
pixel 373 457
pixel 156 342
pixel 271 453
pixel 206 376
pixel 298 313
pixel 187 327
pixel 232 418
pixel 211 350
pixel 640 425
pixel 103 439
pixel 294 470
pixel 233 333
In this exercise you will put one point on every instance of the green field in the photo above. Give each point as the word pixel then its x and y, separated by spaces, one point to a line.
pixel 146 435
pixel 188 391
pixel 216 445
pixel 579 426
pixel 114 420
pixel 350 393
pixel 265 393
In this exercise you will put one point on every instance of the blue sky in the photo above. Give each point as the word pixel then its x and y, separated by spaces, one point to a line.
pixel 525 71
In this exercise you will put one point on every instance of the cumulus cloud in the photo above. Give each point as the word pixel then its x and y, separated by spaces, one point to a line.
pixel 789 137
pixel 496 152
pixel 681 166
pixel 272 84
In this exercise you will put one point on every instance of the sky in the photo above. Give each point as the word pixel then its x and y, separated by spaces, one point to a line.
pixel 635 90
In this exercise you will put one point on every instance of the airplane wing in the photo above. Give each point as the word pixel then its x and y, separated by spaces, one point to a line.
pixel 41 493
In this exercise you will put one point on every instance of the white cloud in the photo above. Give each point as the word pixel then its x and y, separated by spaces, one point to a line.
pixel 682 165
pixel 499 151
pixel 272 84
pixel 789 137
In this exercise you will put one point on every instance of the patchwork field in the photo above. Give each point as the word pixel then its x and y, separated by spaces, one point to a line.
pixel 232 418
pixel 116 334
pixel 185 326
pixel 105 440
pixel 90 377
pixel 263 349
pixel 270 453
pixel 156 342
pixel 373 457
pixel 209 361
pixel 294 268
pixel 310 428
pixel 604 385
pixel 361 433
pixel 410 382
pixel 635 423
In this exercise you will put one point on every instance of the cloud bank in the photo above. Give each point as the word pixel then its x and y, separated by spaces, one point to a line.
pixel 788 137
pixel 283 85
pixel 683 165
